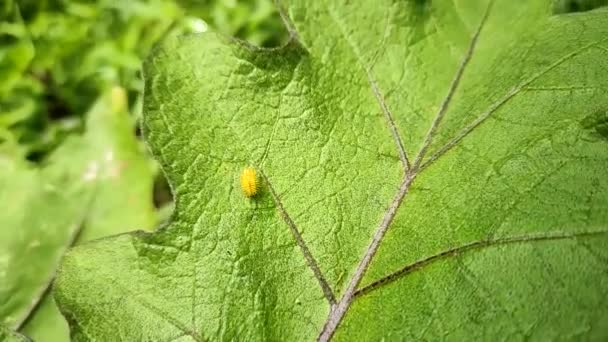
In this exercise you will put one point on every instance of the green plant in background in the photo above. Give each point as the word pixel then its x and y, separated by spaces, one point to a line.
pixel 570 6
pixel 77 195
pixel 255 20
pixel 80 49
pixel 58 56
pixel 16 91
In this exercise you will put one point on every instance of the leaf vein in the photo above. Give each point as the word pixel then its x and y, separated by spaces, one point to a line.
pixel 469 247
pixel 453 87
pixel 289 25
pixel 377 94
pixel 170 319
pixel 310 260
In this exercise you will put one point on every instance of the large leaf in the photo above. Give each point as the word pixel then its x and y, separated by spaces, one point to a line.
pixel 430 170
pixel 81 193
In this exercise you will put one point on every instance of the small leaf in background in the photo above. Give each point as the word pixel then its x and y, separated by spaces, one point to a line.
pixel 431 170
pixel 41 218
pixel 81 193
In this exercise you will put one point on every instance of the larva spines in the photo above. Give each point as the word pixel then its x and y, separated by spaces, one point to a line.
pixel 249 182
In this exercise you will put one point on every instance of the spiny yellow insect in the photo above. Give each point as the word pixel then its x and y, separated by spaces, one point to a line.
pixel 249 182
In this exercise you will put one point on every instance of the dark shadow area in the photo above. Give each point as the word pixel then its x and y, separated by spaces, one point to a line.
pixel 162 191
pixel 573 6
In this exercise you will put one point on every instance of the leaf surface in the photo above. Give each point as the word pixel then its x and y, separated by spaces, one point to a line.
pixel 430 170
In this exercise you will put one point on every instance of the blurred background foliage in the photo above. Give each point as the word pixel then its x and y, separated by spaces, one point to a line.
pixel 572 6
pixel 58 56
pixel 70 102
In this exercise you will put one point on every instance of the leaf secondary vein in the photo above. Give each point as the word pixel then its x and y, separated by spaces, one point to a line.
pixel 470 247
pixel 293 33
pixel 391 122
pixel 452 90
pixel 170 319
pixel 378 95
pixel 310 260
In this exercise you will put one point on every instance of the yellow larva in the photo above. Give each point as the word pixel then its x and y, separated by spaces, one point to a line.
pixel 249 182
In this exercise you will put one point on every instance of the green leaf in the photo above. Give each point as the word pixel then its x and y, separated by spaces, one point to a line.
pixel 32 244
pixel 429 170
pixel 46 323
pixel 81 194
pixel 125 181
